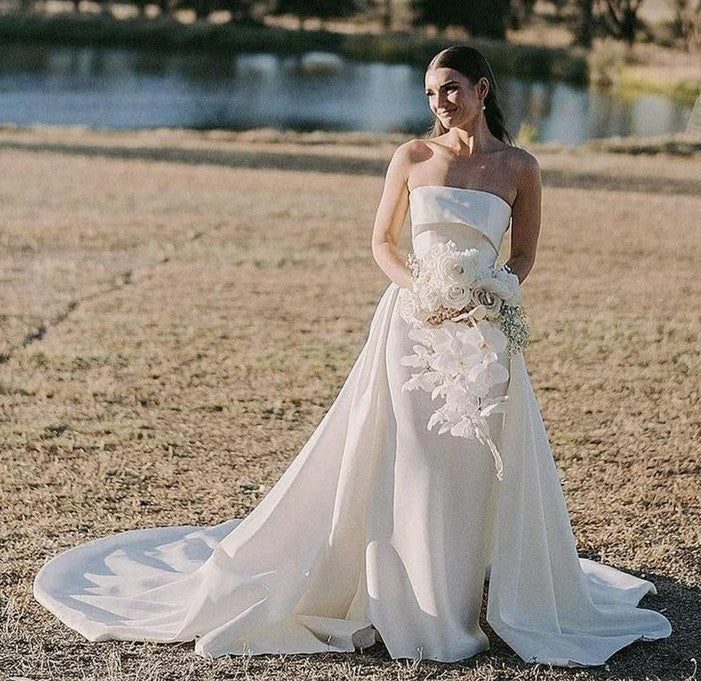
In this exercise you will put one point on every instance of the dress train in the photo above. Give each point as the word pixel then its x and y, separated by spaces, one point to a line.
pixel 378 528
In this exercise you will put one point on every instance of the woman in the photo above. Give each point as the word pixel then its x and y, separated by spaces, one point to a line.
pixel 381 529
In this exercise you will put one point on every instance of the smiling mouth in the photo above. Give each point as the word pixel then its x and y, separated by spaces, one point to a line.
pixel 446 113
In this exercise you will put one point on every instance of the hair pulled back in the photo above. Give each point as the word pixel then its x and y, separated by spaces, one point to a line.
pixel 473 65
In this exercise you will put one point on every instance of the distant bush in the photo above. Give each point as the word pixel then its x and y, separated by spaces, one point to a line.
pixel 526 61
pixel 161 33
pixel 479 18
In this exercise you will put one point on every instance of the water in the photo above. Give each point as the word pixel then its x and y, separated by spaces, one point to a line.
pixel 123 89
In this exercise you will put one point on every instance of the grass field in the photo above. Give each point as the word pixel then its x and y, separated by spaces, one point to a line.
pixel 180 309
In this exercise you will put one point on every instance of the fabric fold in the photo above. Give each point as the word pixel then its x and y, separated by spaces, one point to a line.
pixel 544 601
pixel 379 529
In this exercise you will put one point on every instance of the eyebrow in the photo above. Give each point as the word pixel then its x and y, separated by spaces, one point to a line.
pixel 449 82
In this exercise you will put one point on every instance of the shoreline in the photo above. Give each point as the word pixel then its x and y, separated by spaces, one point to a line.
pixel 676 144
pixel 605 65
pixel 524 61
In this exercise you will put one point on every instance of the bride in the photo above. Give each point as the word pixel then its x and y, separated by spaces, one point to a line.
pixel 383 529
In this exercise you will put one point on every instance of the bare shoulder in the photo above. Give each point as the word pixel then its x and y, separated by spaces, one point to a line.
pixel 413 151
pixel 522 161
pixel 406 156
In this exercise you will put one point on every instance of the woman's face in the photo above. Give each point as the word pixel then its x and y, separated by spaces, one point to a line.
pixel 453 99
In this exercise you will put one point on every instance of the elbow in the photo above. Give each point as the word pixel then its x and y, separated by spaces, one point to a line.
pixel 375 251
pixel 521 263
pixel 526 266
pixel 379 251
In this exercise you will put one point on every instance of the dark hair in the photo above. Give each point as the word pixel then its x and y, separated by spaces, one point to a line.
pixel 473 65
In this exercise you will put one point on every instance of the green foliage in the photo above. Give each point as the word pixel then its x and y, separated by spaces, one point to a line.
pixel 162 34
pixel 479 18
pixel 321 9
pixel 620 19
pixel 242 11
pixel 520 13
pixel 524 61
pixel 527 134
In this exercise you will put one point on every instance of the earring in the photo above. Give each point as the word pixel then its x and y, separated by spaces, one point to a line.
pixel 483 107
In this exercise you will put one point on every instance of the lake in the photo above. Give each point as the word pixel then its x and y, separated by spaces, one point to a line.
pixel 126 89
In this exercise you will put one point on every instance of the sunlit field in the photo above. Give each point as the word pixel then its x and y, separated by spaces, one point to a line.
pixel 179 310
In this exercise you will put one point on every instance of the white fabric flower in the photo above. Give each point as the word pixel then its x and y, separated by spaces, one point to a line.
pixel 486 374
pixel 485 336
pixel 419 359
pixel 457 354
pixel 456 295
pixel 511 283
pixel 492 287
pixel 456 357
pixel 406 304
pixel 464 428
pixel 455 266
pixel 490 301
pixel 425 380
pixel 423 335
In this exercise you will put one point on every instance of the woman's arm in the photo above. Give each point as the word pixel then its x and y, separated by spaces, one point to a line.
pixel 525 217
pixel 389 219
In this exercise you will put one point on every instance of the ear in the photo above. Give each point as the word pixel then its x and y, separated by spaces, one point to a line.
pixel 483 87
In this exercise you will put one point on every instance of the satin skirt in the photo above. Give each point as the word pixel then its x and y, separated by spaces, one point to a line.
pixel 379 529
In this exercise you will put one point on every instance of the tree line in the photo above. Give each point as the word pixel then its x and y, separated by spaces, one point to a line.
pixel 587 19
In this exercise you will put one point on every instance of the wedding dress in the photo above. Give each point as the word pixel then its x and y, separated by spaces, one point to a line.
pixel 379 529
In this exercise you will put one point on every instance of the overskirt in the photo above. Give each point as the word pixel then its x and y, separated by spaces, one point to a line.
pixel 378 530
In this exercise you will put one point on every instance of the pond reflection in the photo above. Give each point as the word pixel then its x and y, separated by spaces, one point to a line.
pixel 120 88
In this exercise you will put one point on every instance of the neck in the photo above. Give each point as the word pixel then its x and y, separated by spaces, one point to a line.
pixel 474 140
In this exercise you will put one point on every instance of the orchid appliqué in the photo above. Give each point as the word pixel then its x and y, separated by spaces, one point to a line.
pixel 453 309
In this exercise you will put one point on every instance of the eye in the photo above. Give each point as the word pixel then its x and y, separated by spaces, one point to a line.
pixel 447 88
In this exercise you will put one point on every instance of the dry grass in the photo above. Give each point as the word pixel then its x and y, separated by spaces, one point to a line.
pixel 180 309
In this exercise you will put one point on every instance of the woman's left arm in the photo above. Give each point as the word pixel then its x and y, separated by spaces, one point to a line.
pixel 525 216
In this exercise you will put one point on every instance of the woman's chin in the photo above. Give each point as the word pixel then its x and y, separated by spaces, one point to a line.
pixel 451 121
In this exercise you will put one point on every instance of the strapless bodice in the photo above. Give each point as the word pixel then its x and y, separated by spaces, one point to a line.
pixel 472 218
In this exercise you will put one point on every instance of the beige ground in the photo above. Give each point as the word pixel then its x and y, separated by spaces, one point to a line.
pixel 180 309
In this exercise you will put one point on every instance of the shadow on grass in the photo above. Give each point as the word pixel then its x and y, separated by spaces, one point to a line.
pixel 323 163
pixel 671 659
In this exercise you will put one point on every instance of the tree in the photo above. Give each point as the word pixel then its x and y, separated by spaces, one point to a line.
pixel 559 6
pixel 141 7
pixel 479 18
pixel 687 22
pixel 320 9
pixel 621 18
pixel 166 7
pixel 202 8
pixel 241 10
pixel 387 14
pixel 584 23
pixel 520 13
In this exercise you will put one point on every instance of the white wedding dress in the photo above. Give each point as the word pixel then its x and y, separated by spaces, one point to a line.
pixel 378 529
